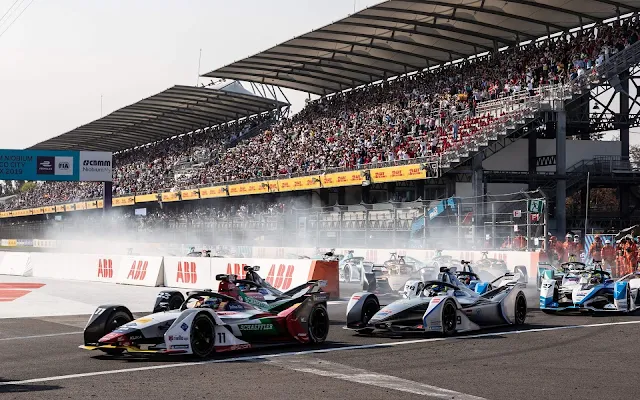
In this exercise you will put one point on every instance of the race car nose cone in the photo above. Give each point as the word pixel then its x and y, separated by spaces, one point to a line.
pixel 112 337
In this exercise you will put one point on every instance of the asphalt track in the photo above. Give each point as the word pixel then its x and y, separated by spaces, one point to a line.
pixel 568 357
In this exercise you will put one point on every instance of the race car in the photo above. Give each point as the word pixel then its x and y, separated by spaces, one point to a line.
pixel 252 287
pixel 351 269
pixel 194 253
pixel 589 290
pixel 491 268
pixel 559 270
pixel 208 323
pixel 443 306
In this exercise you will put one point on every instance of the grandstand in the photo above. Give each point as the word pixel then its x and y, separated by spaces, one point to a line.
pixel 422 100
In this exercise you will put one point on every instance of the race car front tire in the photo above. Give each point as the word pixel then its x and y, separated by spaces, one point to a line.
pixel 202 336
pixel 521 309
pixel 318 324
pixel 449 317
pixel 369 309
pixel 115 320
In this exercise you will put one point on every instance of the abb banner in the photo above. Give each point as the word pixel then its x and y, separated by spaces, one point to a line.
pixel 189 273
pixel 141 271
pixel 83 267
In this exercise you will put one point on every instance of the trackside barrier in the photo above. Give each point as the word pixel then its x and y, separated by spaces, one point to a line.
pixel 14 263
pixel 189 273
pixel 83 267
pixel 141 271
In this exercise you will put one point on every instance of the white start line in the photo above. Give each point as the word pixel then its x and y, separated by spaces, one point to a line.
pixel 268 357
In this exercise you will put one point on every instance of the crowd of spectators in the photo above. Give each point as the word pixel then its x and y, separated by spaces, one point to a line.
pixel 415 116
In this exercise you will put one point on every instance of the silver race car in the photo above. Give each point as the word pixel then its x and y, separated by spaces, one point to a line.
pixel 445 306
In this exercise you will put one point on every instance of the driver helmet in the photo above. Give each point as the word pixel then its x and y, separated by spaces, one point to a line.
pixel 466 280
pixel 595 279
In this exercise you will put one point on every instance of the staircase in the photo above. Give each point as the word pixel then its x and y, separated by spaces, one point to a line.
pixel 619 63
pixel 516 116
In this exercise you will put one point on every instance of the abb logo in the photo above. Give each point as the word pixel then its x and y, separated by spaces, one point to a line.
pixel 281 276
pixel 235 269
pixel 138 270
pixel 105 268
pixel 187 272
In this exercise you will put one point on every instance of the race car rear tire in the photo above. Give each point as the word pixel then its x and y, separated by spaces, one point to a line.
pixel 449 317
pixel 115 320
pixel 202 336
pixel 521 309
pixel 318 324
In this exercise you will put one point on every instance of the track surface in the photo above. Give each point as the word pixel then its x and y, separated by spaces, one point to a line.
pixel 549 357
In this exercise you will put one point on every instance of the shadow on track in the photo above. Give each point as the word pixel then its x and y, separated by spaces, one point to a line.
pixel 25 388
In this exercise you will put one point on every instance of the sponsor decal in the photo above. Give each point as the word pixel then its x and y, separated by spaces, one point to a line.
pixel 184 326
pixel 180 346
pixel 235 269
pixel 385 311
pixel 355 298
pixel 235 307
pixel 226 313
pixel 135 337
pixel 46 165
pixel 187 272
pixel 239 347
pixel 63 166
pixel 436 328
pixel 105 268
pixel 435 300
pixel 178 338
pixel 255 327
pixel 138 270
pixel 143 320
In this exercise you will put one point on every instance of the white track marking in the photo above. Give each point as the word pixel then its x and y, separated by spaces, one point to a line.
pixel 306 352
pixel 357 375
pixel 41 336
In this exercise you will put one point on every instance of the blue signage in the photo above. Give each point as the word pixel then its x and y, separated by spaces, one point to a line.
pixel 51 165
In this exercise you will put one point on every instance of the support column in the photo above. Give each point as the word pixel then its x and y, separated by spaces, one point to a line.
pixel 561 171
pixel 533 155
pixel 623 191
pixel 107 195
pixel 478 190
pixel 342 196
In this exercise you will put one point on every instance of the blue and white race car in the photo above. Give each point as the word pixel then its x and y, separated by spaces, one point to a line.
pixel 589 290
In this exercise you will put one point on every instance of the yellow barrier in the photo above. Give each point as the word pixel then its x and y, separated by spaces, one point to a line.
pixel 212 192
pixel 123 201
pixel 147 198
pixel 169 197
pixel 397 173
pixel 191 194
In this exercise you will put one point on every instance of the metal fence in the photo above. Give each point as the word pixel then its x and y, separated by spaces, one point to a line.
pixel 503 221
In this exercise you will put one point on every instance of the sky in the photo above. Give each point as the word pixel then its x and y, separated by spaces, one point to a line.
pixel 59 57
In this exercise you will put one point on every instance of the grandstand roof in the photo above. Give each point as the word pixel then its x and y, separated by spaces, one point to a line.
pixel 177 110
pixel 398 37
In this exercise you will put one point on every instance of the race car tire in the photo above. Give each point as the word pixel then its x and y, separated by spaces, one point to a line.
pixel 175 301
pixel 115 320
pixel 449 317
pixel 521 309
pixel 202 336
pixel 369 309
pixel 318 324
